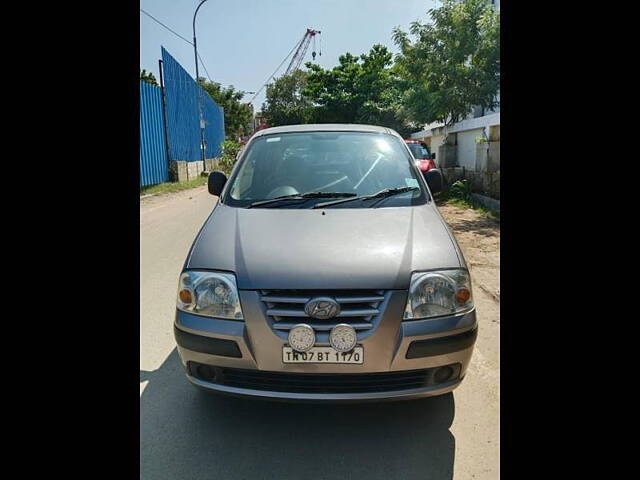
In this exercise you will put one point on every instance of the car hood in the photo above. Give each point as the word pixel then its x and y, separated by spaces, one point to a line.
pixel 334 248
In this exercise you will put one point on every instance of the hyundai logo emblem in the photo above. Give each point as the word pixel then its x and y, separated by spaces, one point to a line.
pixel 322 308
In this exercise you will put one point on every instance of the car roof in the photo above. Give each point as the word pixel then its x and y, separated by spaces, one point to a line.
pixel 325 127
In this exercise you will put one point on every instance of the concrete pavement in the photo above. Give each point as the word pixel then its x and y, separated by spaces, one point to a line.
pixel 168 225
pixel 188 434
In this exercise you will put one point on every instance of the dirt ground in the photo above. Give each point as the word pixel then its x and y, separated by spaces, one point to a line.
pixel 477 423
pixel 479 238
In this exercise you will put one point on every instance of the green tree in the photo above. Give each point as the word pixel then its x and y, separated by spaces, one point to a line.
pixel 230 151
pixel 285 103
pixel 237 115
pixel 148 77
pixel 452 64
pixel 362 89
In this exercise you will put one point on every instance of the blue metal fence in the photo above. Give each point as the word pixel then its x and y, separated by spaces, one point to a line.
pixel 153 154
pixel 183 128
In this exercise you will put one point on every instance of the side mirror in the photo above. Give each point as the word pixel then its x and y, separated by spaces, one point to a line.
pixel 217 181
pixel 434 180
pixel 433 155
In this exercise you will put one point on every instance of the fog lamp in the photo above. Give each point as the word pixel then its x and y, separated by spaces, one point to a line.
pixel 343 337
pixel 302 337
pixel 443 374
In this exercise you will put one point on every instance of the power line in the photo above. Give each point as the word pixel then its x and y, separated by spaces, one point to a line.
pixel 204 66
pixel 190 43
pixel 172 31
pixel 272 75
pixel 205 69
pixel 175 33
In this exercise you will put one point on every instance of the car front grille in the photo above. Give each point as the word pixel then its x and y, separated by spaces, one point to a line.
pixel 325 383
pixel 358 308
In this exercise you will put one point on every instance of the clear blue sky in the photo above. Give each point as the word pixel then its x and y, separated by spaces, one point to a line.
pixel 242 43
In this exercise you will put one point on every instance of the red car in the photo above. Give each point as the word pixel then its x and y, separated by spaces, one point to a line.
pixel 424 158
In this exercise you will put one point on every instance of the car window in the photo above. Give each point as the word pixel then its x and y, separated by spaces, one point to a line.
pixel 346 162
pixel 243 185
pixel 418 150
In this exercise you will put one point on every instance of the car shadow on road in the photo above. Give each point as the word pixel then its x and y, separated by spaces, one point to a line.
pixel 481 226
pixel 191 434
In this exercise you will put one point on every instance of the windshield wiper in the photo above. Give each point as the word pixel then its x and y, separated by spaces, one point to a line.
pixel 387 192
pixel 302 196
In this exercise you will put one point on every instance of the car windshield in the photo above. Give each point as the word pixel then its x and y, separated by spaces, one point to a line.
pixel 340 163
pixel 418 150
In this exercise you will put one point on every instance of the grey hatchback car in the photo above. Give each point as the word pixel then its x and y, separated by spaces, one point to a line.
pixel 325 272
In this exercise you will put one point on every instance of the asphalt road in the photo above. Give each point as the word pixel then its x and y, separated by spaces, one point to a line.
pixel 188 434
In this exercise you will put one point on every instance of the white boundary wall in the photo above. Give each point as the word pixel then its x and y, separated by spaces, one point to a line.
pixel 466 131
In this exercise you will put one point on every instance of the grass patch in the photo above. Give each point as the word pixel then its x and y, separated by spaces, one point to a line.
pixel 459 195
pixel 472 204
pixel 170 187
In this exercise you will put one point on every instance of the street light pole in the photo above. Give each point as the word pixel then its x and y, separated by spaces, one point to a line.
pixel 195 51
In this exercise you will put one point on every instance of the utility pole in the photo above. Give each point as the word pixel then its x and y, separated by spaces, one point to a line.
pixel 199 89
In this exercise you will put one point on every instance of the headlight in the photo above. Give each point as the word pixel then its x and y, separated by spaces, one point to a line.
pixel 213 294
pixel 442 292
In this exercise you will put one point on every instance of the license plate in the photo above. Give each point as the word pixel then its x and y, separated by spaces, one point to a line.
pixel 323 355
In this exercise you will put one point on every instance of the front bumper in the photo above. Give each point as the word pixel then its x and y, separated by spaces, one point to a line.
pixel 328 397
pixel 394 346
